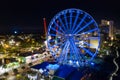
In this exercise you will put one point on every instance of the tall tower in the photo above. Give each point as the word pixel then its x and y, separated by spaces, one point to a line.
pixel 107 28
pixel 45 27
pixel 111 30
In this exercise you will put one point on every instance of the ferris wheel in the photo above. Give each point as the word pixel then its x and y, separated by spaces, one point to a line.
pixel 73 37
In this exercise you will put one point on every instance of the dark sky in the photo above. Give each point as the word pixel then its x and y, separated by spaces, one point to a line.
pixel 28 14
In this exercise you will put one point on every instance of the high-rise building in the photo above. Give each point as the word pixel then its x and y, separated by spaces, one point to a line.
pixel 111 30
pixel 107 29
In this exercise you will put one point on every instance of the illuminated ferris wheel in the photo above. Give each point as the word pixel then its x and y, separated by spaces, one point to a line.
pixel 73 37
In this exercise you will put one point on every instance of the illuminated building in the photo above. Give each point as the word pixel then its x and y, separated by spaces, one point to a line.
pixel 107 29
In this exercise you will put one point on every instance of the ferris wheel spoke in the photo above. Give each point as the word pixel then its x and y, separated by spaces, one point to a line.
pixel 62 45
pixel 53 35
pixel 82 20
pixel 62 55
pixel 87 51
pixel 66 53
pixel 89 31
pixel 62 23
pixel 88 44
pixel 65 17
pixel 75 52
pixel 75 49
pixel 70 20
pixel 59 27
pixel 72 53
pixel 84 26
pixel 56 30
pixel 76 18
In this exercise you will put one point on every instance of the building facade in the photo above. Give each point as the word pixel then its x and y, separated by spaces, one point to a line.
pixel 107 29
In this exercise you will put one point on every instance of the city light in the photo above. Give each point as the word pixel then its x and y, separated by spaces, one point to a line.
pixel 15 32
pixel 73 45
pixel 114 73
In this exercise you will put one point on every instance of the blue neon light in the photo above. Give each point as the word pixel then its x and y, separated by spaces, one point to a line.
pixel 59 27
pixel 62 23
pixel 75 21
pixel 89 31
pixel 92 63
pixel 66 22
pixel 70 20
pixel 71 31
pixel 79 25
pixel 56 30
pixel 84 26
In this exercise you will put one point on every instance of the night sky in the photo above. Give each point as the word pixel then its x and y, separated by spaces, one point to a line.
pixel 27 15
